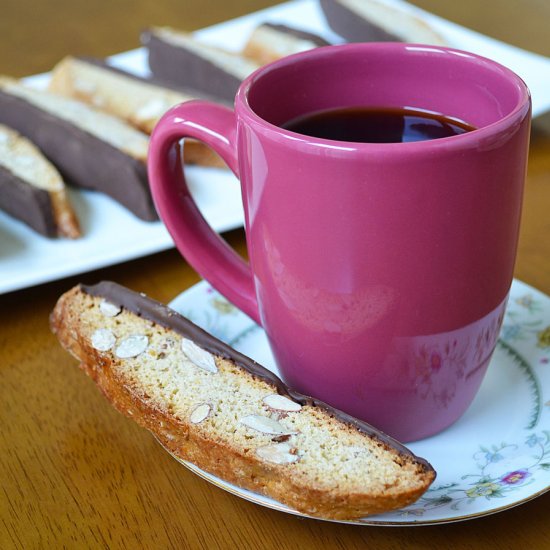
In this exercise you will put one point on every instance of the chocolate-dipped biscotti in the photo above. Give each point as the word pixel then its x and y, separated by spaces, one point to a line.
pixel 269 42
pixel 90 148
pixel 32 190
pixel 178 58
pixel 210 405
pixel 374 21
pixel 139 101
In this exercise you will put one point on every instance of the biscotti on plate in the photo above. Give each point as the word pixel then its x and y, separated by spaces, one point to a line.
pixel 375 21
pixel 141 102
pixel 132 98
pixel 90 148
pixel 271 41
pixel 218 409
pixel 32 190
pixel 179 58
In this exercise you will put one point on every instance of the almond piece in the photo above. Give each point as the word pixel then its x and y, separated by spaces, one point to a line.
pixel 103 339
pixel 278 453
pixel 132 346
pixel 265 425
pixel 198 356
pixel 199 413
pixel 281 403
pixel 108 309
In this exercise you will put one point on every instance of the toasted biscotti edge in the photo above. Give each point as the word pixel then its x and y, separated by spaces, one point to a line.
pixel 210 454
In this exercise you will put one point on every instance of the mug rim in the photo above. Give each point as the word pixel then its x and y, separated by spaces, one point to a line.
pixel 516 115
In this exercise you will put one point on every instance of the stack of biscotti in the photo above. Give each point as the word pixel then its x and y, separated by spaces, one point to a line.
pixel 218 409
pixel 90 148
pixel 32 190
pixel 93 122
pixel 177 57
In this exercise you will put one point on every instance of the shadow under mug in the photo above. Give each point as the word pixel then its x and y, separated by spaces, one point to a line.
pixel 380 272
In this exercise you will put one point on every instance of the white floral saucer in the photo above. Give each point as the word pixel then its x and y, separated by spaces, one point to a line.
pixel 495 457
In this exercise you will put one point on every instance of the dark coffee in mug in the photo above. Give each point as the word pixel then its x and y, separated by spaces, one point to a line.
pixel 377 125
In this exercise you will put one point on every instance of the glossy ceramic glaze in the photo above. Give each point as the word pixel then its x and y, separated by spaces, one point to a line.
pixel 379 271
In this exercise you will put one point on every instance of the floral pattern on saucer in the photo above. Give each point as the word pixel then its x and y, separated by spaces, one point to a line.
pixel 490 482
pixel 495 457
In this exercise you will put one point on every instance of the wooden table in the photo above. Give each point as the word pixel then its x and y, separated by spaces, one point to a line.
pixel 76 474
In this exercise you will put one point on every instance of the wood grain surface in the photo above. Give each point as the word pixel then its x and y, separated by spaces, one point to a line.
pixel 76 474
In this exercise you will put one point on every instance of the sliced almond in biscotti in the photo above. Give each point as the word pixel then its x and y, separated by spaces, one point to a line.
pixel 233 418
pixel 184 61
pixel 139 101
pixel 375 21
pixel 269 42
pixel 32 190
pixel 90 148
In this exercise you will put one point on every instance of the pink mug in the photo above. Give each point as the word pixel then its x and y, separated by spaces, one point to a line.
pixel 380 272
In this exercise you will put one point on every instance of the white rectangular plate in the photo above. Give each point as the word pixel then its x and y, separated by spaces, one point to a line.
pixel 111 234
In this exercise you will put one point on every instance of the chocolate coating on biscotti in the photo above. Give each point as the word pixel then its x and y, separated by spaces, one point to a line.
pixel 27 203
pixel 352 26
pixel 152 310
pixel 185 69
pixel 297 33
pixel 83 159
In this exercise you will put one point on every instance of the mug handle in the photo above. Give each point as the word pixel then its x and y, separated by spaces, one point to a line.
pixel 198 243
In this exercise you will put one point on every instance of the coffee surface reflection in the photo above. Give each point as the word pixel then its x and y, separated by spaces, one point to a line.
pixel 377 125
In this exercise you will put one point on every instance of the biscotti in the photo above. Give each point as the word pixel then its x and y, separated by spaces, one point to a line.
pixel 32 190
pixel 139 101
pixel 90 148
pixel 218 409
pixel 375 21
pixel 269 42
pixel 178 58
